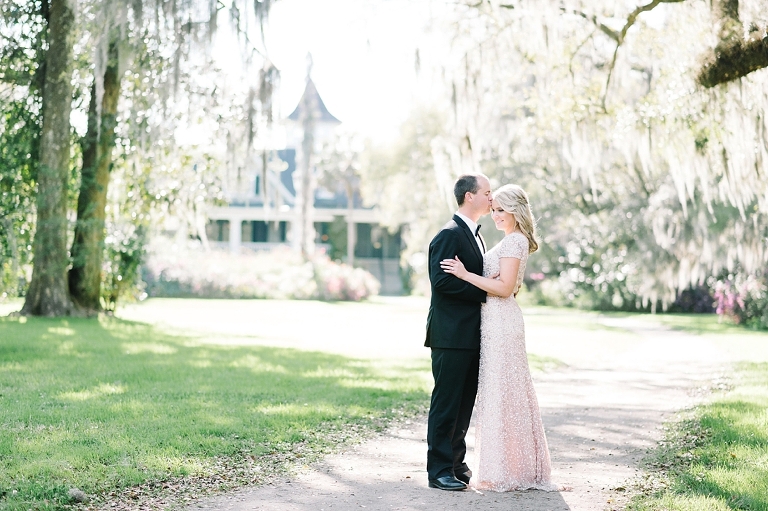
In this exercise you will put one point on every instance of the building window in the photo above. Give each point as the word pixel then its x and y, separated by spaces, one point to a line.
pixel 259 231
pixel 322 231
pixel 376 241
pixel 364 246
pixel 257 185
pixel 217 230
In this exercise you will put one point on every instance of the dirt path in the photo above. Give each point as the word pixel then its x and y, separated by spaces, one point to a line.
pixel 601 413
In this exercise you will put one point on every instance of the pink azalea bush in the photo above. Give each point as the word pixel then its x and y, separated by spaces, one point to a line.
pixel 277 274
pixel 743 299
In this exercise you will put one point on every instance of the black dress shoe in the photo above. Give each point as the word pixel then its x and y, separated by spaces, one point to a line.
pixel 464 477
pixel 449 483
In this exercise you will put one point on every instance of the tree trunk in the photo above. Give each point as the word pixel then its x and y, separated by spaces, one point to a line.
pixel 48 294
pixel 14 249
pixel 305 191
pixel 306 204
pixel 351 234
pixel 88 244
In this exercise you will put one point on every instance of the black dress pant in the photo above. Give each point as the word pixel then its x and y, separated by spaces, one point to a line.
pixel 455 372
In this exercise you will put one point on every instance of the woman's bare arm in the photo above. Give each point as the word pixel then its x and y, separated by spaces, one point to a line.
pixel 504 285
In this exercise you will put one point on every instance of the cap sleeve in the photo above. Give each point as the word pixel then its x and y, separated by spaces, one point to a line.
pixel 515 246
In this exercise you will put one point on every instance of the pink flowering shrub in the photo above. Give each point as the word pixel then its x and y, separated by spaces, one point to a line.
pixel 277 274
pixel 743 299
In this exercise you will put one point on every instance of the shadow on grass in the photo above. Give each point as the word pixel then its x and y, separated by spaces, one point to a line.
pixel 719 458
pixel 109 404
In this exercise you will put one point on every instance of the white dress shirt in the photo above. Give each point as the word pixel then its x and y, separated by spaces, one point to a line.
pixel 473 228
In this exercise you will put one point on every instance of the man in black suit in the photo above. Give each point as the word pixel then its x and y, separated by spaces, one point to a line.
pixel 453 334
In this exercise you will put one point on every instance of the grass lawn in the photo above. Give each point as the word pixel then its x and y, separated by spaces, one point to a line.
pixel 186 397
pixel 717 458
pixel 702 324
pixel 706 324
pixel 108 405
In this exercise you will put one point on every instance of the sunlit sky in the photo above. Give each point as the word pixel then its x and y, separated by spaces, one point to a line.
pixel 364 54
pixel 363 60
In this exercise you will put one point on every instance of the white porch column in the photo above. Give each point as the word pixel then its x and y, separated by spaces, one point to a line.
pixel 235 234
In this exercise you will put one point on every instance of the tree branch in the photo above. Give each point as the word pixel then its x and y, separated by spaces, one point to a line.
pixel 593 18
pixel 631 19
pixel 733 56
pixel 578 47
pixel 734 61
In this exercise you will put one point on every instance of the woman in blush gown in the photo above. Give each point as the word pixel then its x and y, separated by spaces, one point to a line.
pixel 510 445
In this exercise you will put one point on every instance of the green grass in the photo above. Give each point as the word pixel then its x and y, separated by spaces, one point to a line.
pixel 543 363
pixel 105 405
pixel 717 459
pixel 705 324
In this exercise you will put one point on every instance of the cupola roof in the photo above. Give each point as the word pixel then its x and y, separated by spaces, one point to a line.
pixel 311 94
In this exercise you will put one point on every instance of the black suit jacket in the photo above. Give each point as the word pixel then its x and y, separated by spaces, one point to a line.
pixel 454 312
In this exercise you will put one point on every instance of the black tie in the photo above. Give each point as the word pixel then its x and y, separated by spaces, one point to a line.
pixel 477 235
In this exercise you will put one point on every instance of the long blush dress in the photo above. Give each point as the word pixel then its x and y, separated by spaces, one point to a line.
pixel 510 446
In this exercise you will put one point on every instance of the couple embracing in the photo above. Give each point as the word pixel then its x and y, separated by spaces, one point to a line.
pixel 476 333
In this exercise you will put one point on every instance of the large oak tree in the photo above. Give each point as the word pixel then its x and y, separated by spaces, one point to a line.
pixel 48 293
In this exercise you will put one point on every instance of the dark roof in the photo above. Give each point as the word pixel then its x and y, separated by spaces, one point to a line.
pixel 311 91
pixel 286 176
pixel 339 198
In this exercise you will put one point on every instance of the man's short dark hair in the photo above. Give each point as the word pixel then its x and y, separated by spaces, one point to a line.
pixel 465 183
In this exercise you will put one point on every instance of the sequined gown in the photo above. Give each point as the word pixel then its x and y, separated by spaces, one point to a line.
pixel 510 446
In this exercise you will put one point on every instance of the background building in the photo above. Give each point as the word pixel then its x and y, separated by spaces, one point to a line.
pixel 268 213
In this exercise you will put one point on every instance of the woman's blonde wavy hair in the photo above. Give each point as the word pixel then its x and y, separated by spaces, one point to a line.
pixel 514 200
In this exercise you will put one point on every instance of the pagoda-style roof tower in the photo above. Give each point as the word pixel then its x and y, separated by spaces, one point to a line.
pixel 309 97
